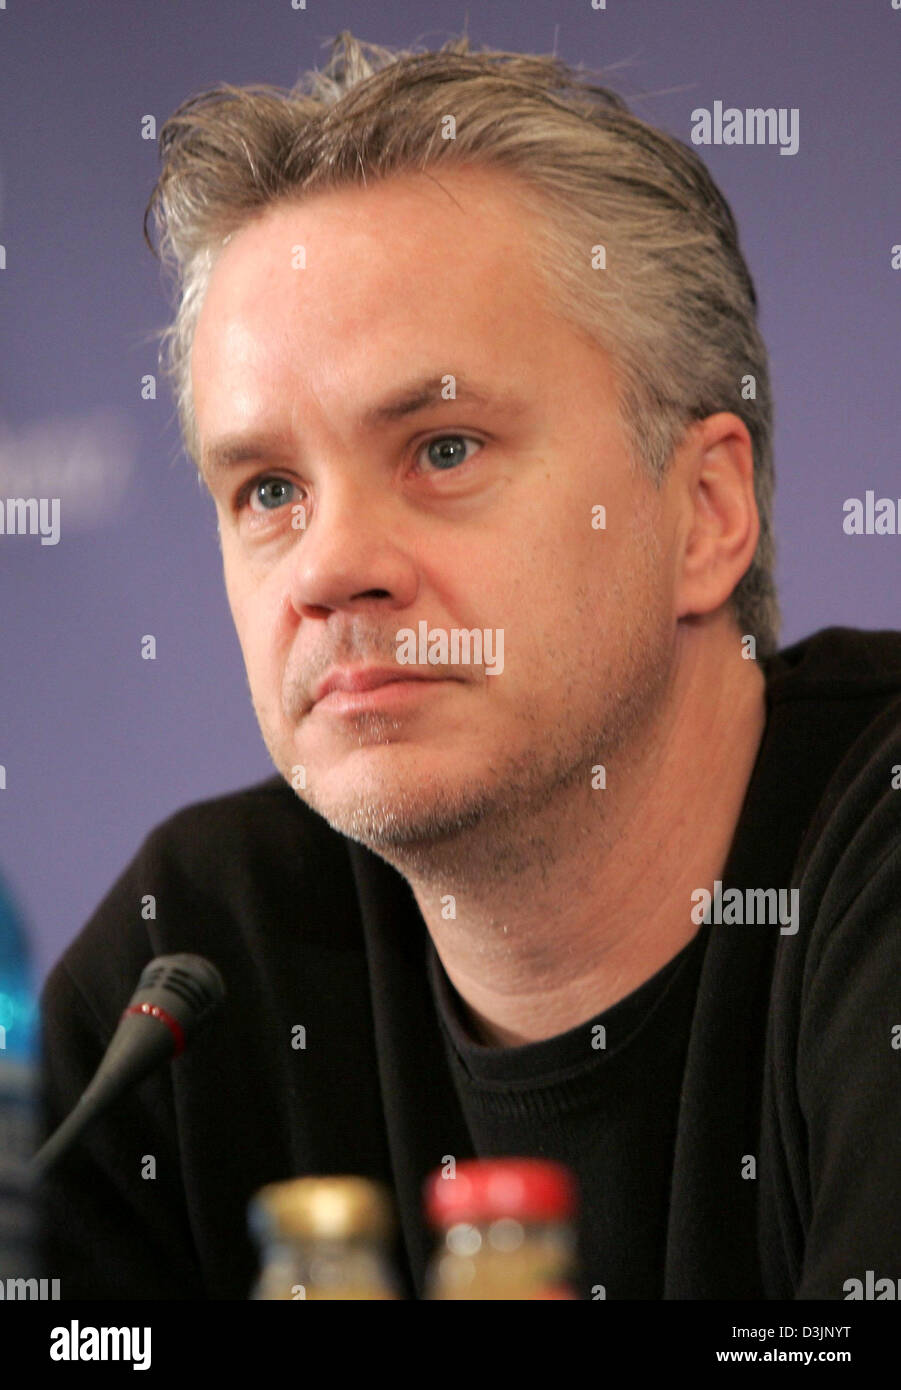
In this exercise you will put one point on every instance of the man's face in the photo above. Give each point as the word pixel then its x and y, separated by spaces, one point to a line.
pixel 465 513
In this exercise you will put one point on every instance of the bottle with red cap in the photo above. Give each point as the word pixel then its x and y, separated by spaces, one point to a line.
pixel 505 1229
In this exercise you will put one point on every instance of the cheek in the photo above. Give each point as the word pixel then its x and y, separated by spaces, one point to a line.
pixel 231 575
pixel 263 658
pixel 245 610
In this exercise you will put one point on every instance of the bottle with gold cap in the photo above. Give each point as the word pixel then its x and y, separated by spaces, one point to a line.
pixel 323 1238
pixel 504 1230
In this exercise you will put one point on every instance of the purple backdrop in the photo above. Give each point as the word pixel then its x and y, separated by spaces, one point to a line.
pixel 99 745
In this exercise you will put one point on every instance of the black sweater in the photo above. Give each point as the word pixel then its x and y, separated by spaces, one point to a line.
pixel 738 1136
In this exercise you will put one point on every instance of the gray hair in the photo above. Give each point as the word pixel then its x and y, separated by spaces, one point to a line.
pixel 676 308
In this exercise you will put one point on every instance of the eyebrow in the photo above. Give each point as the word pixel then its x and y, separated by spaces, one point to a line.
pixel 409 400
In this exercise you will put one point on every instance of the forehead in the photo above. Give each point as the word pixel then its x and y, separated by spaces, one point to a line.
pixel 406 222
pixel 326 285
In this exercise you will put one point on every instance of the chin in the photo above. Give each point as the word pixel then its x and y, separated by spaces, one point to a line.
pixel 394 811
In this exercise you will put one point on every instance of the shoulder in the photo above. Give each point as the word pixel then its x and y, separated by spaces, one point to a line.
pixel 847 873
pixel 215 835
pixel 837 660
pixel 850 683
pixel 238 876
pixel 834 700
pixel 837 699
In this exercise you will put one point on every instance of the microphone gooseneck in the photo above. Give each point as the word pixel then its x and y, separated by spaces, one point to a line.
pixel 175 996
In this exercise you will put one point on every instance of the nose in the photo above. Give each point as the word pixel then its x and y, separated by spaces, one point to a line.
pixel 351 552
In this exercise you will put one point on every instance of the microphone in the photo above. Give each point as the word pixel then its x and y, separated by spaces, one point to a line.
pixel 175 995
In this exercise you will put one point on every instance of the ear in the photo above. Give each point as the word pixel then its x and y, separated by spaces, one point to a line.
pixel 715 469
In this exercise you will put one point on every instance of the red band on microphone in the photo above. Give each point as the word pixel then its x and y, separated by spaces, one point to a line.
pixel 154 1011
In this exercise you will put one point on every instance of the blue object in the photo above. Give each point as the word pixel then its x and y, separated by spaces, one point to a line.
pixel 18 1089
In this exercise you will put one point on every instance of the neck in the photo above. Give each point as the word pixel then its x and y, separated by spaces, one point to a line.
pixel 593 894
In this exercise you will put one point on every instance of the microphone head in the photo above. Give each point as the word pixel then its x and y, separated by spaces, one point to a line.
pixel 181 990
pixel 175 994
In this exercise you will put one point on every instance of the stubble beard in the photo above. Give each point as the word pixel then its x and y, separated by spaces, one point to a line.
pixel 506 818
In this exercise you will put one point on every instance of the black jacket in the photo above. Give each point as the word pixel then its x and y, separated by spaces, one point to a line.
pixel 790 1054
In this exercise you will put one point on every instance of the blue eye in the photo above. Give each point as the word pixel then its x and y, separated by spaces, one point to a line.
pixel 447 453
pixel 445 458
pixel 280 493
